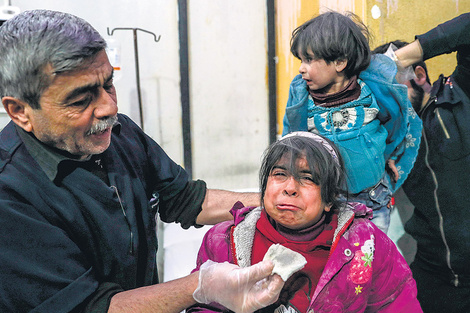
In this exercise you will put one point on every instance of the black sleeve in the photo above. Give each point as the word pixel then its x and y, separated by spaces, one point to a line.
pixel 453 35
pixel 185 206
pixel 99 301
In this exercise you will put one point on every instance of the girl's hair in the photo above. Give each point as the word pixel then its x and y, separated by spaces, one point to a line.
pixel 334 36
pixel 326 168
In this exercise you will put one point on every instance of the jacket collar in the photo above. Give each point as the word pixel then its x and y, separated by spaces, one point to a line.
pixel 47 157
pixel 446 90
pixel 245 220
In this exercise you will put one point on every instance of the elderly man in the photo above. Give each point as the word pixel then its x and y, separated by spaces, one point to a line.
pixel 80 186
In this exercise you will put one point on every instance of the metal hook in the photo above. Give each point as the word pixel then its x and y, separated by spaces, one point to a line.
pixel 137 71
pixel 157 39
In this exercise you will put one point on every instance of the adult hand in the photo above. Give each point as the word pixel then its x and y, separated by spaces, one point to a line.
pixel 403 73
pixel 241 290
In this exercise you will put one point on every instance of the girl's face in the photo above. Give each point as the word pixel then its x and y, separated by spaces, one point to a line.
pixel 321 76
pixel 295 204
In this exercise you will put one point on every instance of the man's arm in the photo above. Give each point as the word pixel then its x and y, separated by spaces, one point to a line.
pixel 172 296
pixel 238 289
pixel 409 54
pixel 217 204
pixel 447 37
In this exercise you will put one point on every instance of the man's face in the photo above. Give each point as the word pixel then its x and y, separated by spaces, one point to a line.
pixel 78 109
pixel 415 94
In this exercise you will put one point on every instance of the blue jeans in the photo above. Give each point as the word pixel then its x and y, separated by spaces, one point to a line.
pixel 377 198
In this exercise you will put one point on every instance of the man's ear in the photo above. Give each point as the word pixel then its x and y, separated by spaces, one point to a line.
pixel 340 65
pixel 421 76
pixel 18 112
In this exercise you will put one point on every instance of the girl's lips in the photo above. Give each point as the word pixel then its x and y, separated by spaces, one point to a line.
pixel 287 207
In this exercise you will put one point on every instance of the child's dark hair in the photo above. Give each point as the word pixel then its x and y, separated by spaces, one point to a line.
pixel 327 169
pixel 334 36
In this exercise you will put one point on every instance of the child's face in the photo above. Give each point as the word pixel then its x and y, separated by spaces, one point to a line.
pixel 321 76
pixel 295 204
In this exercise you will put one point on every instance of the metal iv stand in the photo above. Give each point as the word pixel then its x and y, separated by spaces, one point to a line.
pixel 137 72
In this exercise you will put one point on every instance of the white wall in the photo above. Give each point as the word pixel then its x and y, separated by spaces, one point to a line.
pixel 159 63
pixel 228 86
pixel 229 90
pixel 229 97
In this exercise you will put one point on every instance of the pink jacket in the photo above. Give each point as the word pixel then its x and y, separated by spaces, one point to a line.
pixel 364 273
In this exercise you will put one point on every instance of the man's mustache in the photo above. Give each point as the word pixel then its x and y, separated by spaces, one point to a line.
pixel 102 125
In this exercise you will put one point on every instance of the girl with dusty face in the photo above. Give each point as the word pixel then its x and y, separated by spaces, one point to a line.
pixel 293 199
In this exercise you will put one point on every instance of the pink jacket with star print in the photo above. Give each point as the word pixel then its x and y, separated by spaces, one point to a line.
pixel 364 273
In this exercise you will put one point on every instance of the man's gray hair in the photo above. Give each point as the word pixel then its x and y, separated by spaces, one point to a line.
pixel 34 40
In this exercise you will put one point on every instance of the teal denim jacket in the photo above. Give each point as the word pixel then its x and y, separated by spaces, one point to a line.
pixel 394 134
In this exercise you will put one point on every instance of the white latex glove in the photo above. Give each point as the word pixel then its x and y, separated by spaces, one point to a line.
pixel 241 290
pixel 403 74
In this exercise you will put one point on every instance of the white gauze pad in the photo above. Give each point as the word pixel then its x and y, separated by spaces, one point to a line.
pixel 286 262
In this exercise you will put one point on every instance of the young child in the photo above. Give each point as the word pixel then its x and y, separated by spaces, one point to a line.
pixel 354 100
pixel 351 266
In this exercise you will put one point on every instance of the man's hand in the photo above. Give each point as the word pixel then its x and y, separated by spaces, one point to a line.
pixel 241 290
pixel 403 73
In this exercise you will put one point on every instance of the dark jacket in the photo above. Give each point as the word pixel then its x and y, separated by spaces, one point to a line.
pixel 70 241
pixel 438 185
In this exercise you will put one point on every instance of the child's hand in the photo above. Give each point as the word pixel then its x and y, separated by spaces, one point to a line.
pixel 393 169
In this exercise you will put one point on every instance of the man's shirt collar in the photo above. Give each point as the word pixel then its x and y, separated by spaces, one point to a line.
pixel 48 157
